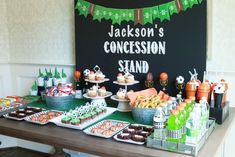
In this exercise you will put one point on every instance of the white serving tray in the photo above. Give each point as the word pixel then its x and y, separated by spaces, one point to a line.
pixel 88 130
pixel 97 81
pixel 130 140
pixel 108 94
pixel 57 120
pixel 127 141
pixel 37 114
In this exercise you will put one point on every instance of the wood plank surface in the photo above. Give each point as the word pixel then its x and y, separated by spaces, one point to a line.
pixel 78 141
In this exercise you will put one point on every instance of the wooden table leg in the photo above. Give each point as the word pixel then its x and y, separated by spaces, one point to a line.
pixel 59 153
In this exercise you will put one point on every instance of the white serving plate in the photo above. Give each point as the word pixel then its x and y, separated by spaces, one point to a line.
pixel 130 140
pixel 126 84
pixel 108 94
pixel 97 81
pixel 127 141
pixel 114 97
pixel 37 114
pixel 88 130
pixel 57 120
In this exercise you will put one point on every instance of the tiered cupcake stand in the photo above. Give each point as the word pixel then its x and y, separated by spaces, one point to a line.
pixel 123 104
pixel 98 100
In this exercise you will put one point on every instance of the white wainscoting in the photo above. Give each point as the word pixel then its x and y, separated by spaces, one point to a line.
pixel 5 80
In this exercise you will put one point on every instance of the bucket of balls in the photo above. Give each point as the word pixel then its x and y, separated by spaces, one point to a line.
pixel 60 97
pixel 144 104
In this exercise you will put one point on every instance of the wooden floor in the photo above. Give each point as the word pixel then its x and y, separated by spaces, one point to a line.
pixel 20 152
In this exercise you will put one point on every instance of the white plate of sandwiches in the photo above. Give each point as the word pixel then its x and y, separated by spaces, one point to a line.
pixel 106 128
pixel 134 134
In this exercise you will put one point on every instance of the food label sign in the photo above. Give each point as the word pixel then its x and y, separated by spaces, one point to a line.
pixel 141 37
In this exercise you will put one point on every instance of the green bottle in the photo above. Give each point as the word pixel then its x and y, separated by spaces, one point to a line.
pixel 189 107
pixel 182 117
pixel 174 133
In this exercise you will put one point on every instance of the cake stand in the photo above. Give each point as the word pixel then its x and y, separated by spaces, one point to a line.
pixel 126 84
pixel 97 82
pixel 123 105
pixel 98 100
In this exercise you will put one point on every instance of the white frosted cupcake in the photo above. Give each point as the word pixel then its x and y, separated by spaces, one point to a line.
pixel 102 91
pixel 121 94
pixel 130 78
pixel 92 92
pixel 91 76
pixel 120 78
pixel 99 76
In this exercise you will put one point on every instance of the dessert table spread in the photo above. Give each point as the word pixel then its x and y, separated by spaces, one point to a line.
pixel 79 141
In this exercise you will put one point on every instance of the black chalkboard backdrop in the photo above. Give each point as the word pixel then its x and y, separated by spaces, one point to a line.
pixel 184 36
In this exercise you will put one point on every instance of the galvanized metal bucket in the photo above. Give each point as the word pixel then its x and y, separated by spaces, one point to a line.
pixel 60 102
pixel 143 115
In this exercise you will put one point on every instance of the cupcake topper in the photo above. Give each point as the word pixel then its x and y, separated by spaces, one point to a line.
pixel 126 72
pixel 86 72
pixel 96 68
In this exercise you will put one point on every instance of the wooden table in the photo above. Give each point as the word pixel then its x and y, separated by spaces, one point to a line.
pixel 78 141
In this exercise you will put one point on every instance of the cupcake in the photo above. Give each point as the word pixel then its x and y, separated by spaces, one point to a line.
pixel 102 91
pixel 92 92
pixel 121 94
pixel 75 121
pixel 91 76
pixel 120 78
pixel 99 76
pixel 138 138
pixel 129 78
pixel 29 112
pixel 124 136
pixel 12 114
pixel 66 120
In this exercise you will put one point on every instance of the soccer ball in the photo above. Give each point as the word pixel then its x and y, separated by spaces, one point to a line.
pixel 86 72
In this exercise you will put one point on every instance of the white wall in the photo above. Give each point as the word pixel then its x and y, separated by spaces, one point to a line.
pixel 222 35
pixel 34 34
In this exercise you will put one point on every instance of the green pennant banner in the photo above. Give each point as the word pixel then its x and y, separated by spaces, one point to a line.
pixel 186 4
pixel 192 2
pixel 162 12
pixel 155 12
pixel 83 7
pixel 116 17
pixel 98 13
pixel 147 15
pixel 200 1
pixel 172 8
